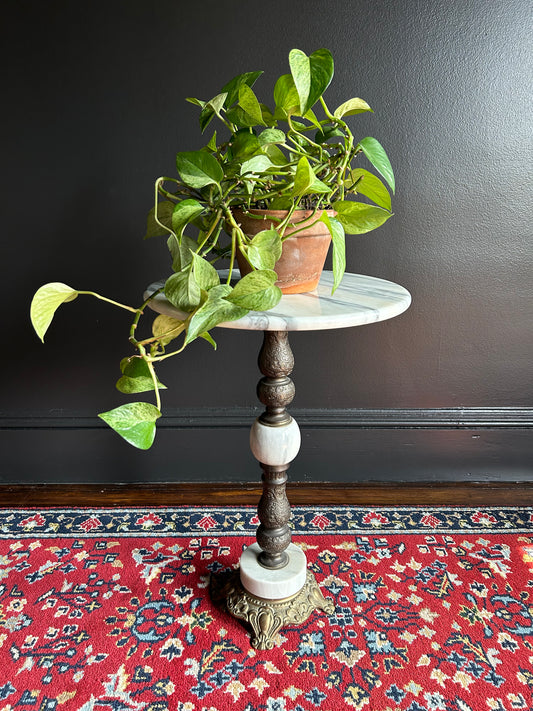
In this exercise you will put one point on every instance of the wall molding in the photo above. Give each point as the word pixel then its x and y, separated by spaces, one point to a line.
pixel 318 418
pixel 339 446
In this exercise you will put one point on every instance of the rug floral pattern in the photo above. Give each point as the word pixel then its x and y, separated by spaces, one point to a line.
pixel 110 610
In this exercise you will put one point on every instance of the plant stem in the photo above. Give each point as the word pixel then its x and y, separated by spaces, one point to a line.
pixel 264 196
pixel 298 150
pixel 237 235
pixel 158 359
pixel 326 110
pixel 214 241
pixel 345 162
pixel 185 190
pixel 306 138
pixel 157 184
pixel 285 222
pixel 154 380
pixel 174 331
pixel 348 146
pixel 211 229
pixel 110 301
pixel 233 251
pixel 138 314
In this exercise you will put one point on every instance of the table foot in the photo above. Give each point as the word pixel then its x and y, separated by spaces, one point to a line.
pixel 268 617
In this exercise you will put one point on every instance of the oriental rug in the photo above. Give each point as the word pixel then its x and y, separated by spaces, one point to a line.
pixel 110 610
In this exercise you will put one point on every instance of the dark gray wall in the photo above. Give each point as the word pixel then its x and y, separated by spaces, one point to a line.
pixel 94 111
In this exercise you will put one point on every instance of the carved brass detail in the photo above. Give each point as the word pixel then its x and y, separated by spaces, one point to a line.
pixel 268 617
pixel 274 512
pixel 275 391
pixel 275 358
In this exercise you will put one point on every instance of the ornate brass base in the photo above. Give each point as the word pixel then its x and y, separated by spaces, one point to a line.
pixel 267 617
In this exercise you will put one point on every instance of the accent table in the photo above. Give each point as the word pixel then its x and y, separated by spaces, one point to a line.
pixel 272 587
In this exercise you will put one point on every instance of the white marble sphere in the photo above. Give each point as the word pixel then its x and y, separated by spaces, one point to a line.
pixel 275 445
pixel 273 584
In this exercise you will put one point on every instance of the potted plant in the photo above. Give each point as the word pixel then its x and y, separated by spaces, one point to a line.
pixel 272 173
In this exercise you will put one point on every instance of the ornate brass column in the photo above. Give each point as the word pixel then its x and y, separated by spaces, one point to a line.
pixel 275 390
pixel 273 567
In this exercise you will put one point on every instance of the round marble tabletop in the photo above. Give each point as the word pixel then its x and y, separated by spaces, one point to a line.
pixel 358 300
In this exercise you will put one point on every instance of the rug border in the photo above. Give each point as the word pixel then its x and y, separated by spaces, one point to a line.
pixel 196 522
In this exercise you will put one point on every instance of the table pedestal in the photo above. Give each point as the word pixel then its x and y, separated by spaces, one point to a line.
pixel 273 588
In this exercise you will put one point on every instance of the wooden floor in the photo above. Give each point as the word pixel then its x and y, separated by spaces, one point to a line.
pixel 362 494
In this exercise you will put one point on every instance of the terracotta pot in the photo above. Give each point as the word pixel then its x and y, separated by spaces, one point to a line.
pixel 302 260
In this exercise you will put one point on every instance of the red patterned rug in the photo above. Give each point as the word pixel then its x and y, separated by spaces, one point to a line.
pixel 109 610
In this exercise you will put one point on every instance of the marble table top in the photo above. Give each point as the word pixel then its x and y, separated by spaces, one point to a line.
pixel 357 301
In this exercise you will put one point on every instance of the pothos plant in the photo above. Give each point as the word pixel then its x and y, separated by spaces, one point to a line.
pixel 298 155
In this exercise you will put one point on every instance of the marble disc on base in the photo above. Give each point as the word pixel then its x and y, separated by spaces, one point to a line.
pixel 273 584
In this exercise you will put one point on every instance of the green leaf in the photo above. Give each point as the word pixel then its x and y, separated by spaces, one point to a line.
pixel 219 292
pixel 358 217
pixel 244 145
pixel 256 291
pixel 46 301
pixel 207 337
pixel 265 249
pixel 300 126
pixel 164 215
pixel 375 153
pixel 212 145
pixel 321 74
pixel 233 86
pixel 271 135
pixel 280 203
pixel 240 118
pixel 318 187
pixel 181 251
pixel 310 116
pixel 257 164
pixel 211 108
pixel 166 329
pixel 136 376
pixel 182 291
pixel 324 134
pixel 268 117
pixel 370 186
pixel 210 314
pixel 305 180
pixel 301 73
pixel 249 103
pixel 286 97
pixel 275 154
pixel 185 212
pixel 312 75
pixel 198 169
pixel 351 107
pixel 205 274
pixel 339 248
pixel 134 367
pixel 141 384
pixel 304 177
pixel 135 422
pixel 196 102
